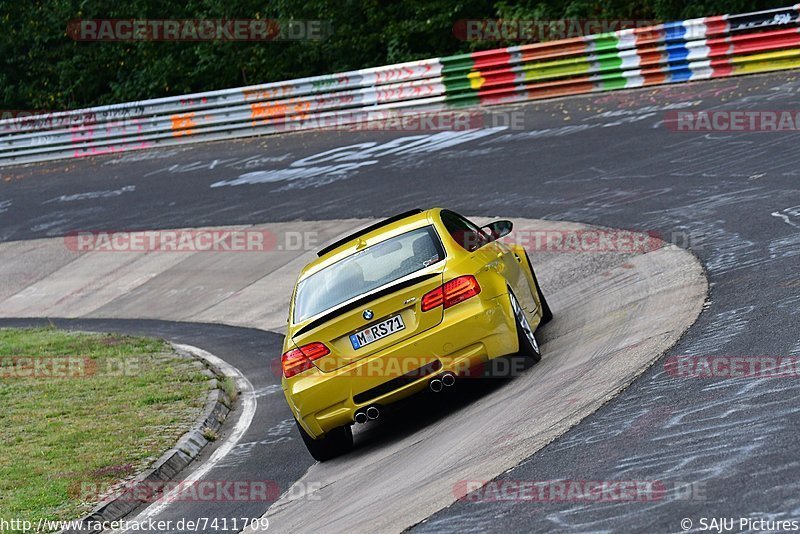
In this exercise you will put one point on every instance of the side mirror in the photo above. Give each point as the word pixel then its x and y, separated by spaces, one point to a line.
pixel 498 229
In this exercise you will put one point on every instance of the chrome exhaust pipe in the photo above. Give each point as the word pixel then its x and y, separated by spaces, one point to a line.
pixel 436 385
pixel 448 379
pixel 361 418
pixel 373 412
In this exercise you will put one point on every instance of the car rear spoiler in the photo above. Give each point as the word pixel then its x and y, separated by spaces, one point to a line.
pixel 368 229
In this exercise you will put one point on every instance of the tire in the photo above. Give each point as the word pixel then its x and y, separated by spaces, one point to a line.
pixel 335 443
pixel 528 346
pixel 547 315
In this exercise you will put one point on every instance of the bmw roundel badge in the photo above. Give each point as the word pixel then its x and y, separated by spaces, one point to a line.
pixel 368 314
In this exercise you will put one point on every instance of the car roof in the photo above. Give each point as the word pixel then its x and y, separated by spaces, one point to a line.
pixel 371 235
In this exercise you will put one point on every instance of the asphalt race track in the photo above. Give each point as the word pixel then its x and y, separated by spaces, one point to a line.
pixel 616 311
pixel 722 447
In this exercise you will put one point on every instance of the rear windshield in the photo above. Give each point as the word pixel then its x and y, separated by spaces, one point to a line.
pixel 366 270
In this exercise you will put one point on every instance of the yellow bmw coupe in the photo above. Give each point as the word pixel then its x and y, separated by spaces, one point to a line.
pixel 410 303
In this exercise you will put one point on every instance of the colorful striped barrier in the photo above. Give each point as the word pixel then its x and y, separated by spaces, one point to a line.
pixel 696 49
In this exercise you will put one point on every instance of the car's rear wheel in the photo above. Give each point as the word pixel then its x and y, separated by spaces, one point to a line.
pixel 335 443
pixel 547 315
pixel 528 345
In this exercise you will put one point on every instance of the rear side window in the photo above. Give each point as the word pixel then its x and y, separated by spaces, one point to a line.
pixel 464 232
pixel 367 270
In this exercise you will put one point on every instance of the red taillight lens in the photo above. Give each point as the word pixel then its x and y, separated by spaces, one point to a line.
pixel 451 293
pixel 433 299
pixel 460 289
pixel 298 360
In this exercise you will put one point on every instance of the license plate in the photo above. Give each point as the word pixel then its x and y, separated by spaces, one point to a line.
pixel 377 331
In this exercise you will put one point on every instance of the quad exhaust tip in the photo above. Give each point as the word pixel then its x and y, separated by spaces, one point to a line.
pixel 369 414
pixel 436 385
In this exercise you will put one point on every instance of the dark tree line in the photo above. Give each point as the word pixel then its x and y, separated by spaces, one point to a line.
pixel 42 68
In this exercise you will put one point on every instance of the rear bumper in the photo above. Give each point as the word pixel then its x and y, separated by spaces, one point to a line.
pixel 470 333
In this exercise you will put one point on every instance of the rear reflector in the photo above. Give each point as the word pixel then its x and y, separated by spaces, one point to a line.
pixel 298 360
pixel 451 293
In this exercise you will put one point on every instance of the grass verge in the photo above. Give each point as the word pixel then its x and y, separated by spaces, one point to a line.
pixel 83 411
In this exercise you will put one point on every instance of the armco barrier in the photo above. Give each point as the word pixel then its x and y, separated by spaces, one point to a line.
pixel 697 49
